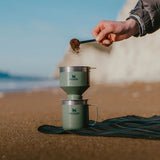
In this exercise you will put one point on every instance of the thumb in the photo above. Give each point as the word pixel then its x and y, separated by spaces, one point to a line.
pixel 102 35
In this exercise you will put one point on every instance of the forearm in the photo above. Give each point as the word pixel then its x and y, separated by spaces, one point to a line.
pixel 147 15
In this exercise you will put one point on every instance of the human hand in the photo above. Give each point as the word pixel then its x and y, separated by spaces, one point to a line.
pixel 107 32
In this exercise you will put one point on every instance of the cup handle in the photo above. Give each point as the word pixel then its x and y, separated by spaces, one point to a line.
pixel 94 123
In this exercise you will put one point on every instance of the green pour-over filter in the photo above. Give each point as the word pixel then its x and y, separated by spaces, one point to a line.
pixel 74 80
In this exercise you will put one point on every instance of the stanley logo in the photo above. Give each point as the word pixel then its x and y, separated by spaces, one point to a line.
pixel 74 111
pixel 73 77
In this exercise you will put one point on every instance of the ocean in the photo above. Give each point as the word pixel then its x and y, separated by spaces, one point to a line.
pixel 14 85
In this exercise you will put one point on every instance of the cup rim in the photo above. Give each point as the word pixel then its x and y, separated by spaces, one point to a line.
pixel 74 69
pixel 74 102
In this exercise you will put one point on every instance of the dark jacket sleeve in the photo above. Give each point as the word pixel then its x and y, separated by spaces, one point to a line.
pixel 147 14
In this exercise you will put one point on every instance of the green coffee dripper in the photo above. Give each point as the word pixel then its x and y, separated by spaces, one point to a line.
pixel 74 80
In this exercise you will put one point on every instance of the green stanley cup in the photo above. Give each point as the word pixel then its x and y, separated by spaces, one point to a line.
pixel 75 114
pixel 74 80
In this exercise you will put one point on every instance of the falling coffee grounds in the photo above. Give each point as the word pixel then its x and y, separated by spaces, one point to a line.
pixel 74 43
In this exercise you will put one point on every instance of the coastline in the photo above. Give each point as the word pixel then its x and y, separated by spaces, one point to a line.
pixel 12 85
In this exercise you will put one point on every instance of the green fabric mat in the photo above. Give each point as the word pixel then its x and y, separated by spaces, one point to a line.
pixel 129 126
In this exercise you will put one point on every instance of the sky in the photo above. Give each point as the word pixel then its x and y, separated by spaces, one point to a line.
pixel 34 34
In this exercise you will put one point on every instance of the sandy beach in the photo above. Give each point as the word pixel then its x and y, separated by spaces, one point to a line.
pixel 21 113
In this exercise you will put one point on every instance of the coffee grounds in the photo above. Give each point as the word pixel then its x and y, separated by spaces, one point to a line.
pixel 74 43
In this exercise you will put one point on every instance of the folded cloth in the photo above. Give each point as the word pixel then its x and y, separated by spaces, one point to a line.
pixel 129 126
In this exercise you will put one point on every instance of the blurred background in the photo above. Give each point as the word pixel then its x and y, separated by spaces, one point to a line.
pixel 35 37
pixel 34 42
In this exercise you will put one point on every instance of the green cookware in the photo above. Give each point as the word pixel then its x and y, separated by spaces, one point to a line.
pixel 74 80
pixel 76 114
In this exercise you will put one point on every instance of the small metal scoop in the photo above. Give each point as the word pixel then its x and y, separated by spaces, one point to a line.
pixel 75 44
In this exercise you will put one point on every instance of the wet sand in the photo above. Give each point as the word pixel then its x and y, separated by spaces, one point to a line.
pixel 22 113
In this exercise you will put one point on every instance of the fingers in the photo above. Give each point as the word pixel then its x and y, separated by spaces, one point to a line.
pixel 96 31
pixel 106 42
pixel 107 32
pixel 102 35
pixel 109 40
pixel 112 37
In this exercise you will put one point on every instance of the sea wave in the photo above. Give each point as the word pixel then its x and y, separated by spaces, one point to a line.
pixel 12 85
